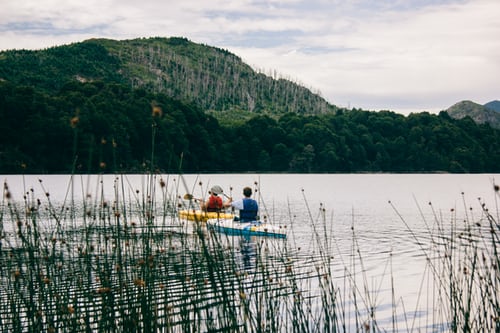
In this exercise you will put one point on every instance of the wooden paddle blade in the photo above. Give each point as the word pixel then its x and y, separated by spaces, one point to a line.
pixel 188 196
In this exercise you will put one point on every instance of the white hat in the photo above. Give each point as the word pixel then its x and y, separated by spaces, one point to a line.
pixel 216 189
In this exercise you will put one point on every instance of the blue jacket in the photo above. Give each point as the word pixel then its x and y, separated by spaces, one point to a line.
pixel 249 211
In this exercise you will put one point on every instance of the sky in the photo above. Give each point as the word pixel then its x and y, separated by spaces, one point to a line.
pixel 398 55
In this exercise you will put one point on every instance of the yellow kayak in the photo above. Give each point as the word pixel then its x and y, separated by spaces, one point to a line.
pixel 200 215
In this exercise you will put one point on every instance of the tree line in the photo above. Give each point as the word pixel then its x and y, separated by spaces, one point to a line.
pixel 90 127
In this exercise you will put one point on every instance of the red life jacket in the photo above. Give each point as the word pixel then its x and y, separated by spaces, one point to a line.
pixel 214 204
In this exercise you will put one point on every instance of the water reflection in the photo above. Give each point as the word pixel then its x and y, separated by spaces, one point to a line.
pixel 248 251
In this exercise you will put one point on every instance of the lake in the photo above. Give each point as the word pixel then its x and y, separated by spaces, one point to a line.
pixel 381 232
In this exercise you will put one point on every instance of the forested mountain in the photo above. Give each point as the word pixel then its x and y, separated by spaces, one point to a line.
pixel 142 106
pixel 211 77
pixel 481 114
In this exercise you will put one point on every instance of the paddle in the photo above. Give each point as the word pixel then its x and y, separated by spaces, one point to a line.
pixel 188 196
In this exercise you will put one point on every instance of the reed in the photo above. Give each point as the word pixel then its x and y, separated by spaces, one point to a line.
pixel 471 273
pixel 462 255
pixel 128 263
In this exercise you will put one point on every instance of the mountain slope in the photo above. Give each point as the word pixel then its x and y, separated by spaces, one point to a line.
pixel 479 113
pixel 212 78
pixel 493 105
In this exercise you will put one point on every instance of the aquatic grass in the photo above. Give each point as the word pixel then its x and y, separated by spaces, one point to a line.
pixel 128 263
pixel 463 259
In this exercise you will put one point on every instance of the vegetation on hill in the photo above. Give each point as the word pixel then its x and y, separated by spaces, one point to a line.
pixel 481 114
pixel 212 78
pixel 109 127
pixel 110 106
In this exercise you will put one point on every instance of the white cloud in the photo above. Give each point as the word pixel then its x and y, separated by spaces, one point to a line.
pixel 428 58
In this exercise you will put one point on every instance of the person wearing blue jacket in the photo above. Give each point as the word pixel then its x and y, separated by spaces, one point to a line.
pixel 248 207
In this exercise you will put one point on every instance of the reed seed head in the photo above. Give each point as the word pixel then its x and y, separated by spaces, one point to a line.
pixel 74 122
pixel 103 290
pixel 157 111
pixel 16 274
pixel 140 283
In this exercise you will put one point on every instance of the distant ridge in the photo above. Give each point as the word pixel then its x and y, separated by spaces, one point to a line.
pixel 210 77
pixel 481 114
pixel 493 105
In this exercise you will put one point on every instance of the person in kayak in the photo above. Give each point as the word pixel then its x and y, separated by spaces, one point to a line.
pixel 248 207
pixel 214 202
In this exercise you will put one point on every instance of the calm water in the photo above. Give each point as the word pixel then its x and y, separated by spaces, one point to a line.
pixel 377 228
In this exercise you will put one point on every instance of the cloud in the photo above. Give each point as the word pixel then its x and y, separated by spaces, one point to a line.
pixel 398 55
pixel 426 58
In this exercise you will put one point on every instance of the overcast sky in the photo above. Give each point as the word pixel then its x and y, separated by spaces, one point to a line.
pixel 399 55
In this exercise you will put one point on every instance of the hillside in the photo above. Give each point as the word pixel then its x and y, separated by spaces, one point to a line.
pixel 493 105
pixel 481 114
pixel 212 78
pixel 148 105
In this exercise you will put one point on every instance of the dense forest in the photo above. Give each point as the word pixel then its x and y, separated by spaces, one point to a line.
pixel 89 127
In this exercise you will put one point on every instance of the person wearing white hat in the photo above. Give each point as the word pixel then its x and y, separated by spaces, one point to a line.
pixel 214 202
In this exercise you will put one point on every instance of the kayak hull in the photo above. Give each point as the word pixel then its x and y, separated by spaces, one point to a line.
pixel 202 216
pixel 253 228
